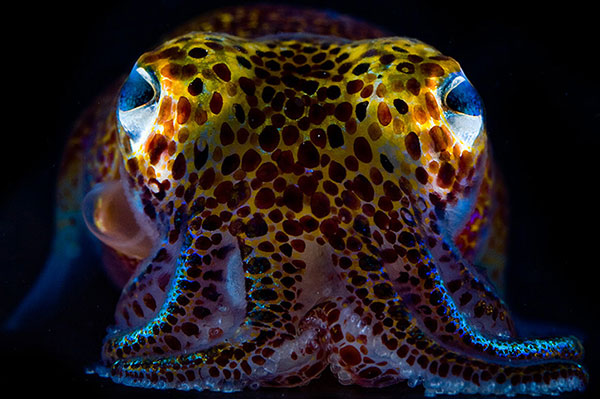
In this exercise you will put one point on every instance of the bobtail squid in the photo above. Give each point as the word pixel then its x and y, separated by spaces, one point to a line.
pixel 279 190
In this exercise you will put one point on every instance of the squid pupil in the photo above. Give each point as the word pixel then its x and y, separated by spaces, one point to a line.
pixel 135 92
pixel 464 98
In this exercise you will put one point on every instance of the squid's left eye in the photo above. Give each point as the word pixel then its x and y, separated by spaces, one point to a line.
pixel 138 103
pixel 463 108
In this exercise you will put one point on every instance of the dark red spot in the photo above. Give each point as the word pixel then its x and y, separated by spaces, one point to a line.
pixel 290 135
pixel 230 164
pixel 214 45
pixel 465 298
pixel 308 184
pixel 362 150
pixel 308 155
pixel 360 69
pixel 413 86
pixel 370 372
pixel 354 86
pixel 293 198
pixel 250 160
pixel 197 52
pixel 401 106
pixel 179 167
pixel 375 176
pixel 277 102
pixel 242 135
pixel 267 172
pixel 336 333
pixel 361 110
pixel 309 223
pixel 350 199
pixel 226 135
pixel 255 117
pixel 195 87
pixel 238 111
pixel 247 85
pixel 381 220
pixel 269 138
pixel 343 111
pixel 330 188
pixel 256 227
pixel 200 312
pixel 216 103
pixel 292 227
pixel 285 161
pixel 333 92
pixel 316 114
pixel 149 302
pixel 172 342
pixel 446 175
pixel 363 188
pixel 265 198
pixel 421 175
pixel 211 223
pixel 403 350
pixel 413 145
pixel 350 355
pixel 294 108
pixel 337 172
pixel 207 179
pixel 432 70
pixel 189 329
pixel 319 205
pixel 387 59
pixel 223 191
pixel 222 71
pixel 318 137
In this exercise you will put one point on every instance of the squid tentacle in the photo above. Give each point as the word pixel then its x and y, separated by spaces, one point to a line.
pixel 471 288
pixel 411 355
pixel 219 327
pixel 376 341
pixel 428 296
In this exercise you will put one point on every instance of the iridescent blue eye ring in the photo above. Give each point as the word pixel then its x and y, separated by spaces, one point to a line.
pixel 138 103
pixel 138 90
pixel 463 107
pixel 462 97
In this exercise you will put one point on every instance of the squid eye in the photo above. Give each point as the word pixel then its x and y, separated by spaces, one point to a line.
pixel 463 108
pixel 462 97
pixel 138 103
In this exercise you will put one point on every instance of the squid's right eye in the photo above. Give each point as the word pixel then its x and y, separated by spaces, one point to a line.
pixel 463 108
pixel 138 104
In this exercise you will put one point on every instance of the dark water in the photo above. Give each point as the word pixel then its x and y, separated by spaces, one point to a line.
pixel 536 70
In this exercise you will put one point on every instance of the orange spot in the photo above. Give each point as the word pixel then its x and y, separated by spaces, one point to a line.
pixel 184 109
pixel 383 114
pixel 432 106
pixel 381 90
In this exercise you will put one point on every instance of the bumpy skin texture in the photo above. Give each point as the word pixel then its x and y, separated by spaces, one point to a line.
pixel 308 202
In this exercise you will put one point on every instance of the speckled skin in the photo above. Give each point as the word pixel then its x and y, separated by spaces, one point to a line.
pixel 305 203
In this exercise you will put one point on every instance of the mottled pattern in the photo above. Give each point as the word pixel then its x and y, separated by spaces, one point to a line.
pixel 294 201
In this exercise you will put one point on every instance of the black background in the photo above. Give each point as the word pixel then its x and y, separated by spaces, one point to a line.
pixel 536 69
